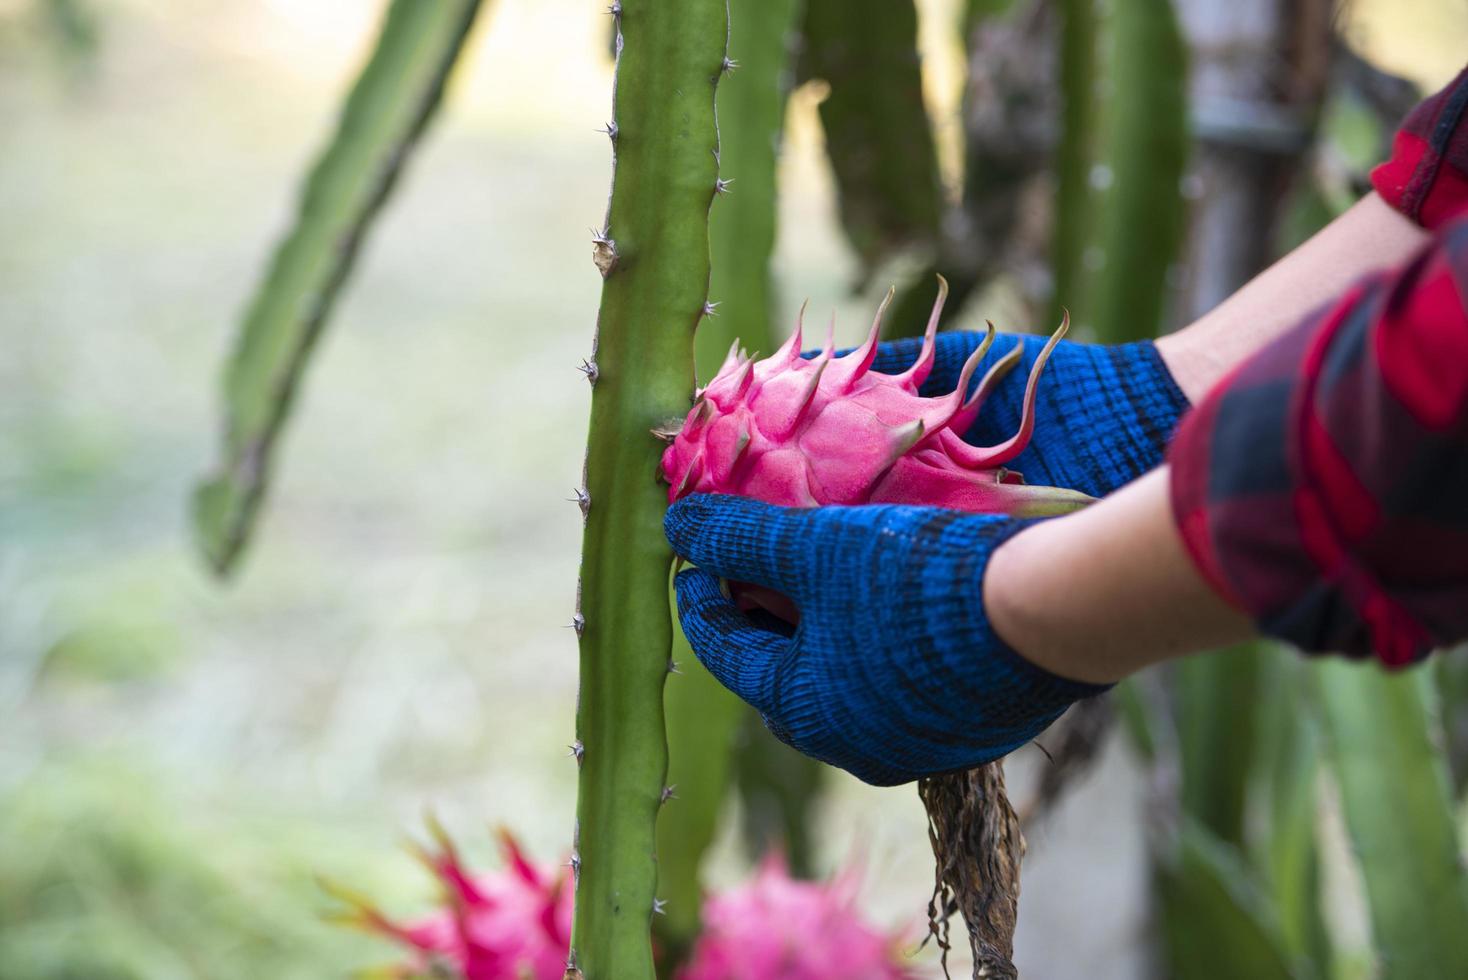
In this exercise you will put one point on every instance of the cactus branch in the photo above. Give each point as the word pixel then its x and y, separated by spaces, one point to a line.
pixel 1076 151
pixel 878 136
pixel 702 716
pixel 669 60
pixel 1009 135
pixel 1142 134
pixel 389 106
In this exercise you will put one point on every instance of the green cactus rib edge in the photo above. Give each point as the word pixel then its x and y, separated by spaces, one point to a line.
pixel 702 717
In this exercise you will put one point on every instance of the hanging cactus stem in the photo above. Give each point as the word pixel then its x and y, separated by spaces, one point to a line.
pixel 878 135
pixel 388 110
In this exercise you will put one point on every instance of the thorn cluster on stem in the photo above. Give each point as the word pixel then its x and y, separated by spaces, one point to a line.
pixel 603 252
pixel 582 499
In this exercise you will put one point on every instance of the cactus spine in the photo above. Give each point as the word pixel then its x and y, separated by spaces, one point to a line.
pixel 653 254
pixel 389 106
pixel 703 718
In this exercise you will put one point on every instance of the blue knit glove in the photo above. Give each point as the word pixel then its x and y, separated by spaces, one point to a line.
pixel 893 672
pixel 1104 412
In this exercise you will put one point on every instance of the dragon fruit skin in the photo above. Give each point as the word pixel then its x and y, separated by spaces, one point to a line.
pixel 828 430
pixel 777 928
pixel 513 924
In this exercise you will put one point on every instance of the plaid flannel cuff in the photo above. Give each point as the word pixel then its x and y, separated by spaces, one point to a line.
pixel 1427 176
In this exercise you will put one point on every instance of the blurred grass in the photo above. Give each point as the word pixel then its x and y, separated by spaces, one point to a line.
pixel 105 878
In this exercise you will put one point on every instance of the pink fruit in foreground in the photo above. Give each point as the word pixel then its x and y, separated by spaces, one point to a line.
pixel 776 928
pixel 513 924
pixel 798 432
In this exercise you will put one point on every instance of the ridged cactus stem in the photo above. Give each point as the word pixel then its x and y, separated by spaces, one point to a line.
pixel 703 717
pixel 742 224
pixel 653 254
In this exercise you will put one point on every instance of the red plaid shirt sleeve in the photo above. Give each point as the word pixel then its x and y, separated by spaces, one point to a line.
pixel 1323 486
pixel 1427 177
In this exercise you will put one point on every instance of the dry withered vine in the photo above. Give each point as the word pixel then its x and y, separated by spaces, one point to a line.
pixel 978 847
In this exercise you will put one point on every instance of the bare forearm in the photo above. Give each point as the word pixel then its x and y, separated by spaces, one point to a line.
pixel 1370 236
pixel 1104 592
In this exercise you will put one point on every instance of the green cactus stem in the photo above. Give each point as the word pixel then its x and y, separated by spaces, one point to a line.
pixel 653 254
pixel 1076 151
pixel 742 225
pixel 1289 758
pixel 1217 700
pixel 1452 685
pixel 1206 885
pixel 878 137
pixel 388 109
pixel 704 718
pixel 1135 177
pixel 778 790
pixel 1395 795
pixel 1008 140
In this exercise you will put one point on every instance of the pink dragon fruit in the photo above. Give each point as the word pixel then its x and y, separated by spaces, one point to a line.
pixel 776 928
pixel 800 432
pixel 514 924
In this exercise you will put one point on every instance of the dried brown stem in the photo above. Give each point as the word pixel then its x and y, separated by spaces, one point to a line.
pixel 978 847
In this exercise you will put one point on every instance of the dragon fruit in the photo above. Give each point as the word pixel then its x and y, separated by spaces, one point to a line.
pixel 776 928
pixel 829 430
pixel 514 924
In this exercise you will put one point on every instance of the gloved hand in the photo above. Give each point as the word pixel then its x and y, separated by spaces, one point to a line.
pixel 1105 412
pixel 893 672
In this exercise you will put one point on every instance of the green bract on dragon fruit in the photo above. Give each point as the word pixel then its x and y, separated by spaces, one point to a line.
pixel 804 431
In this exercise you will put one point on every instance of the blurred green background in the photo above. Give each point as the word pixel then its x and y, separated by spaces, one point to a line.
pixel 180 759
